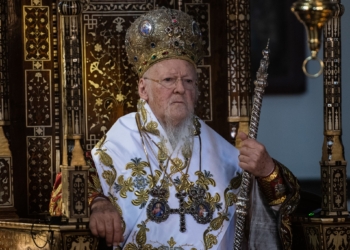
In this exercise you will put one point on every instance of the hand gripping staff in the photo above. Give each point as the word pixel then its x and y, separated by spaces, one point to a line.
pixel 245 189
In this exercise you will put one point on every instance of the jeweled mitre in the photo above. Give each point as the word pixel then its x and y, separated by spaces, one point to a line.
pixel 163 34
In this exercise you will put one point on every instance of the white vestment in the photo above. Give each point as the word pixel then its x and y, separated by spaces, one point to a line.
pixel 127 181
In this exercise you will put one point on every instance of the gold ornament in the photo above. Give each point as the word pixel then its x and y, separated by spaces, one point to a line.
pixel 163 34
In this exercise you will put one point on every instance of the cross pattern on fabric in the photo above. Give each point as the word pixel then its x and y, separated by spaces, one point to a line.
pixel 158 209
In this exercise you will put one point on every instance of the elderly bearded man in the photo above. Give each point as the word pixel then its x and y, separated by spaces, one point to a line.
pixel 165 156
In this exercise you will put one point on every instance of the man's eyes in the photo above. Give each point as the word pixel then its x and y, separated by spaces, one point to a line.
pixel 169 79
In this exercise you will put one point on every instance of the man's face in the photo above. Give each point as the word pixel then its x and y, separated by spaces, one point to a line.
pixel 176 103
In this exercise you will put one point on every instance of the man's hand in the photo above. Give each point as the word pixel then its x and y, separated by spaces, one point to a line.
pixel 106 222
pixel 254 158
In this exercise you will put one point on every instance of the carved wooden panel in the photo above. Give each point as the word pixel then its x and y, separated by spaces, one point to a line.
pixel 201 13
pixel 39 173
pixel 313 235
pixel 6 192
pixel 239 78
pixel 42 100
pixel 74 193
pixel 110 84
pixel 37 32
pixel 4 74
pixel 38 96
pixel 78 241
pixel 6 180
pixel 204 104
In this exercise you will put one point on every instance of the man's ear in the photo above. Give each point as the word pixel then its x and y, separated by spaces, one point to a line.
pixel 142 89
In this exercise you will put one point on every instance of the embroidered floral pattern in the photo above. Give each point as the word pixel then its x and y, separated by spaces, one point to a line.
pixel 213 201
pixel 177 166
pixel 183 183
pixel 142 198
pixel 152 127
pixel 210 240
pixel 109 176
pixel 140 182
pixel 141 235
pixel 141 239
pixel 154 179
pixel 163 151
pixel 142 110
pixel 218 222
pixel 125 186
pixel 137 166
pixel 104 157
pixel 204 179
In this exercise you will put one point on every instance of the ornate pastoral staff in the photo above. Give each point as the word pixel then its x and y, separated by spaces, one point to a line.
pixel 243 197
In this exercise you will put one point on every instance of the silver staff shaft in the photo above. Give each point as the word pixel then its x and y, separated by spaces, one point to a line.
pixel 244 194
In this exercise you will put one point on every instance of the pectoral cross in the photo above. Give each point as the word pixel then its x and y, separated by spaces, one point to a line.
pixel 158 209
pixel 181 210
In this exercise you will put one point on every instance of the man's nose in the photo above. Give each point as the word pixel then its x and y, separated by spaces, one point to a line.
pixel 179 86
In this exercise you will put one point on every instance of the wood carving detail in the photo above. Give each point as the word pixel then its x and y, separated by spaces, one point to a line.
pixel 337 238
pixel 204 107
pixel 38 97
pixel 79 241
pixel 140 6
pixel 5 181
pixel 39 173
pixel 110 83
pixel 200 13
pixel 238 35
pixel 37 34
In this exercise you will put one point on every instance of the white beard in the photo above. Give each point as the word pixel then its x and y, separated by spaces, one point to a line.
pixel 182 131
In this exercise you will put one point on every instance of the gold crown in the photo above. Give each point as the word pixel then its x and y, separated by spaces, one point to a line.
pixel 162 34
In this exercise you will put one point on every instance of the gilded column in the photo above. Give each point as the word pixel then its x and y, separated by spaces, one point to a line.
pixel 72 81
pixel 7 209
pixel 239 79
pixel 333 164
pixel 74 168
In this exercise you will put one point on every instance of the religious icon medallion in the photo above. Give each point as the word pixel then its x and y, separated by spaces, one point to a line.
pixel 158 210
pixel 200 209
pixel 202 212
